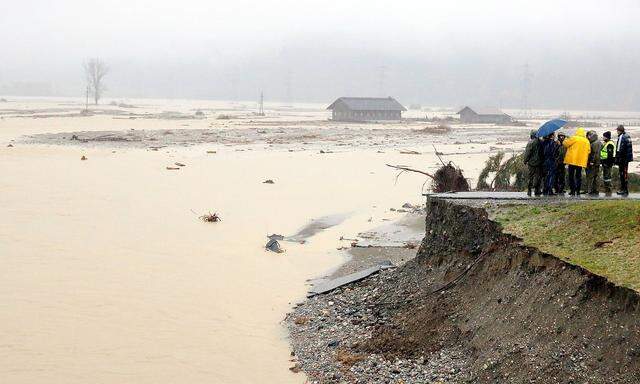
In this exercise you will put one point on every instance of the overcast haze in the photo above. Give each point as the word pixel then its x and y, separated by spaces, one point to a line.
pixel 581 54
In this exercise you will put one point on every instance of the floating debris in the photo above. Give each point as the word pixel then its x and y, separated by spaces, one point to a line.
pixel 275 236
pixel 269 181
pixel 173 168
pixel 181 165
pixel 211 218
pixel 83 157
pixel 273 246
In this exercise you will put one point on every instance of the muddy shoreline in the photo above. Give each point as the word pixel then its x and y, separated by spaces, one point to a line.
pixel 490 325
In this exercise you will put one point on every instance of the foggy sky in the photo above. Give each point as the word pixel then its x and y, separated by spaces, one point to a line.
pixel 580 54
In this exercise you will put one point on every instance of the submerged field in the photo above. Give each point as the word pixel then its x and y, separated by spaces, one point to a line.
pixel 603 237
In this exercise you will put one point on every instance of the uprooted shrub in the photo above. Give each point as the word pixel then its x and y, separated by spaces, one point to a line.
pixel 449 179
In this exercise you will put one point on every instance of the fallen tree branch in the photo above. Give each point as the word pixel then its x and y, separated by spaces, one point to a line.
pixel 407 169
pixel 438 154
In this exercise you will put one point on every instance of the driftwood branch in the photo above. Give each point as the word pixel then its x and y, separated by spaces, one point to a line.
pixel 402 168
pixel 437 154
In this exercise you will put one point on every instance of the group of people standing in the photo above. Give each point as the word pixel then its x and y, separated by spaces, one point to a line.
pixel 549 159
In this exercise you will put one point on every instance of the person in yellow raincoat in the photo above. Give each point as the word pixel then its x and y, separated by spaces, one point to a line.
pixel 578 149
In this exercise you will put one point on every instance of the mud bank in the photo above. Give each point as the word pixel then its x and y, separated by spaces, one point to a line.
pixel 475 305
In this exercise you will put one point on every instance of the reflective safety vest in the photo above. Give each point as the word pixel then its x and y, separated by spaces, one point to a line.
pixel 603 152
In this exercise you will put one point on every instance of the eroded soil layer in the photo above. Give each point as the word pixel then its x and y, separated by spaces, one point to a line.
pixel 475 305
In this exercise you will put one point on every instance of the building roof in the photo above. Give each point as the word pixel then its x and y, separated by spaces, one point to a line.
pixel 369 104
pixel 485 111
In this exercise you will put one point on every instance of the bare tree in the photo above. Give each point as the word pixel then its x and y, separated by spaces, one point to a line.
pixel 95 70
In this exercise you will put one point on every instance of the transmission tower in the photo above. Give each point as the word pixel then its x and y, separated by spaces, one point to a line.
pixel 261 105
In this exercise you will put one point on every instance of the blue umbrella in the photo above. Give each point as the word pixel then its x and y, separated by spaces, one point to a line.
pixel 550 126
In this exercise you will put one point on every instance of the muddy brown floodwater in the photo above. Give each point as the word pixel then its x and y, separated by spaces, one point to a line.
pixel 109 276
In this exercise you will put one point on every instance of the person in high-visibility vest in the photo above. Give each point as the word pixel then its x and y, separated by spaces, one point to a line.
pixel 607 159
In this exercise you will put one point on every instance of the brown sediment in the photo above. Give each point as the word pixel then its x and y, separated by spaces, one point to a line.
pixel 475 305
pixel 519 313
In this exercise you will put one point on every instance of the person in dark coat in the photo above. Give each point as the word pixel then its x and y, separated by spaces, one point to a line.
pixel 624 155
pixel 607 159
pixel 593 166
pixel 561 169
pixel 533 159
pixel 549 153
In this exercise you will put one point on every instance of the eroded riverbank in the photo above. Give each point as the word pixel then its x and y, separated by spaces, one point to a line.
pixel 475 305
pixel 111 276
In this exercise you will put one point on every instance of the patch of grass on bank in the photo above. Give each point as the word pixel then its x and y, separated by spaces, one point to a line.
pixel 603 236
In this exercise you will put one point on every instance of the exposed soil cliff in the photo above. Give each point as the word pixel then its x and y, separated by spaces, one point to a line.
pixel 518 312
pixel 514 314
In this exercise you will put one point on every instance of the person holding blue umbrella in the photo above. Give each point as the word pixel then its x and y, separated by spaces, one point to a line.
pixel 540 156
pixel 550 127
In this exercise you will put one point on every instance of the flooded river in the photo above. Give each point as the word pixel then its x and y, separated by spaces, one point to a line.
pixel 109 276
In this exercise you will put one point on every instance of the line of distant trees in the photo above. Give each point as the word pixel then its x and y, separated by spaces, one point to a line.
pixel 95 71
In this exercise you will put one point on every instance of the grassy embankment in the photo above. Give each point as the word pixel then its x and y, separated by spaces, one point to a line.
pixel 603 237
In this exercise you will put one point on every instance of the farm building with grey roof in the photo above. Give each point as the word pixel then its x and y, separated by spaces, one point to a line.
pixel 366 109
pixel 469 115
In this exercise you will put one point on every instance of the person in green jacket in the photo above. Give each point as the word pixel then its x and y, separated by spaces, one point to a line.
pixel 533 158
pixel 607 159
pixel 593 165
